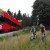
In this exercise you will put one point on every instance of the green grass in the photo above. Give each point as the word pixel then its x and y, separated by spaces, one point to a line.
pixel 23 42
pixel 2 38
pixel 23 31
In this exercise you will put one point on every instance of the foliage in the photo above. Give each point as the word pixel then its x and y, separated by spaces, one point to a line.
pixel 15 15
pixel 9 12
pixel 42 8
pixel 19 15
pixel 26 20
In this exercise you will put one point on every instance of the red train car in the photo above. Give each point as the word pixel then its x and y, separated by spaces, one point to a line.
pixel 8 22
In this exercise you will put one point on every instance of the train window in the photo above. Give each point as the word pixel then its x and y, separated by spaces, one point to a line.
pixel 1 19
pixel 0 16
pixel 0 22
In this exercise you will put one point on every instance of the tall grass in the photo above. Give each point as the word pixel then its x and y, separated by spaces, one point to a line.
pixel 23 31
pixel 3 38
pixel 23 42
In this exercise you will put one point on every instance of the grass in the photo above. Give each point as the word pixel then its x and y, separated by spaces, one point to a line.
pixel 2 38
pixel 23 31
pixel 23 42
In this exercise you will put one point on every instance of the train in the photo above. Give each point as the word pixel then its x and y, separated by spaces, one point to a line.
pixel 8 22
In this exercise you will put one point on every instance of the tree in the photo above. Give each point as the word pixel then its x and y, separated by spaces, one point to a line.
pixel 19 15
pixel 15 15
pixel 9 12
pixel 32 20
pixel 42 9
pixel 26 20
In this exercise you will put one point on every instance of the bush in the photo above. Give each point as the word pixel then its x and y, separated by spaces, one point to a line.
pixel 2 38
